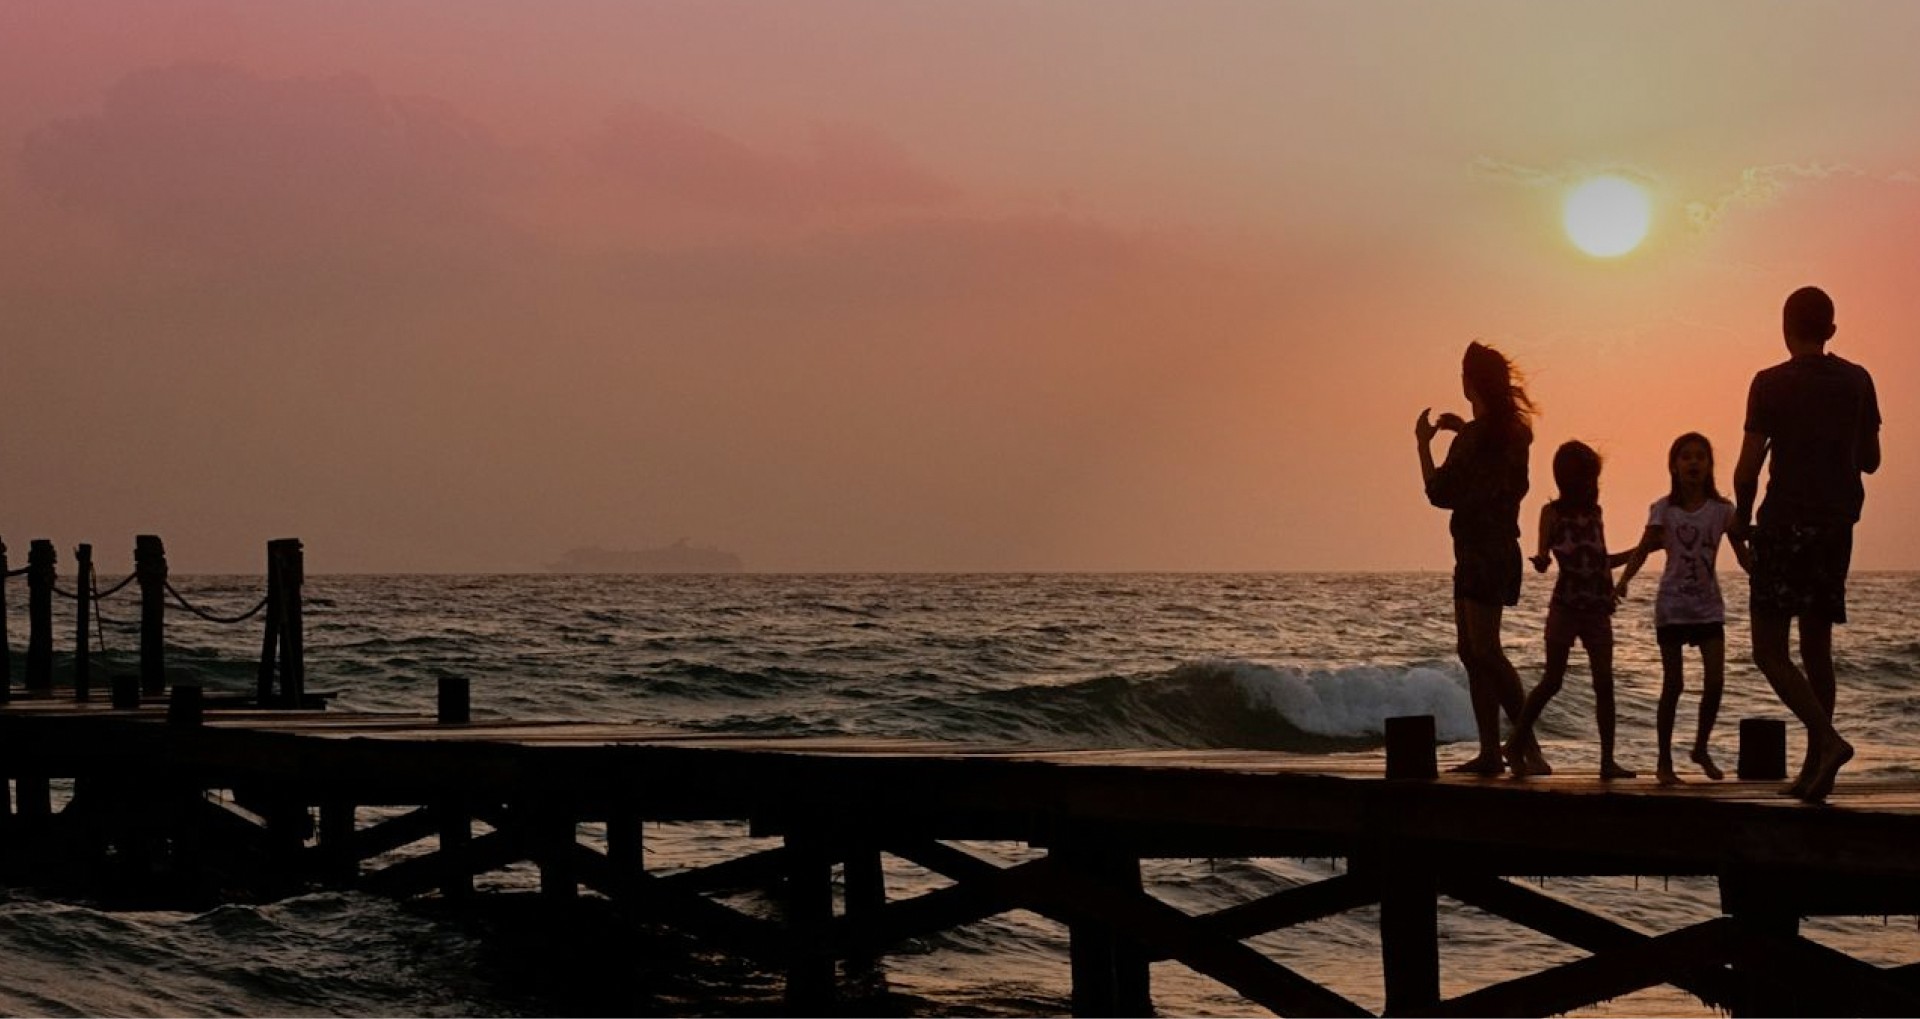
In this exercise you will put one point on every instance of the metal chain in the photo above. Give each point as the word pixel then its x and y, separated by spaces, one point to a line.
pixel 241 618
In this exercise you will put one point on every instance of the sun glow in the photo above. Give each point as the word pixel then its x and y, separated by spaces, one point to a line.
pixel 1607 216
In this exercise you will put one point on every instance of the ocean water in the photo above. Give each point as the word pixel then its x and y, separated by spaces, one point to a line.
pixel 1289 663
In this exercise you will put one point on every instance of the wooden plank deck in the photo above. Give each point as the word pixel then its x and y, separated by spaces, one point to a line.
pixel 841 800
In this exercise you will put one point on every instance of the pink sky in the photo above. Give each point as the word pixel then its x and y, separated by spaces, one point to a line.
pixel 929 286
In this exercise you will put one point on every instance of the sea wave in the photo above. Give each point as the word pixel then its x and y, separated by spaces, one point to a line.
pixel 1214 704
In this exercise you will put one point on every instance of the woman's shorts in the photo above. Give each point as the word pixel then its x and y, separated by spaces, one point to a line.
pixel 1696 634
pixel 1800 571
pixel 1486 571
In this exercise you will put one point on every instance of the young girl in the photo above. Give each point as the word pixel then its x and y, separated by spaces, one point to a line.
pixel 1687 525
pixel 1482 481
pixel 1582 605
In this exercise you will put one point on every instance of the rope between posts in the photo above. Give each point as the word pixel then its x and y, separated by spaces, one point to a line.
pixel 241 618
pixel 115 589
pixel 19 572
pixel 97 595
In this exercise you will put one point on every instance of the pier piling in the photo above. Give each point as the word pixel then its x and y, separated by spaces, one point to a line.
pixel 83 621
pixel 1763 750
pixel 150 567
pixel 40 580
pixel 1410 748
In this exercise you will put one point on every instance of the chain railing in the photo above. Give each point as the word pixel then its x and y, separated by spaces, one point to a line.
pixel 282 672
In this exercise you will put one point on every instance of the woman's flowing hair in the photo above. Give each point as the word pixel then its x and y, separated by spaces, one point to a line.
pixel 1673 458
pixel 1505 404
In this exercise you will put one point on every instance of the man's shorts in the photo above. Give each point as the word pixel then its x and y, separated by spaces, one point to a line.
pixel 1487 571
pixel 1681 634
pixel 1800 570
pixel 1594 629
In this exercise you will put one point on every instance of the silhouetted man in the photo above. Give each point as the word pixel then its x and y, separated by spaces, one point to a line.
pixel 1817 416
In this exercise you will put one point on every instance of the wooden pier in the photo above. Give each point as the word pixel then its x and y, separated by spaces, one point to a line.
pixel 190 789
pixel 176 792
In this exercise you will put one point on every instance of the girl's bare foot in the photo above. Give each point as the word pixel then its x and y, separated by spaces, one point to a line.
pixel 1610 771
pixel 1832 760
pixel 1798 790
pixel 1536 761
pixel 1516 761
pixel 1707 767
pixel 1484 764
pixel 1666 776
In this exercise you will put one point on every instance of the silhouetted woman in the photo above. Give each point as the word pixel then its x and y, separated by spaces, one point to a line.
pixel 1482 482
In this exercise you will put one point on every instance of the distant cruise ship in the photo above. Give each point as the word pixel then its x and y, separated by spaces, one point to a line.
pixel 678 557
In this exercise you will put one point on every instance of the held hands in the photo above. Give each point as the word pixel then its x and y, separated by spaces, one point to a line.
pixel 1540 562
pixel 1620 591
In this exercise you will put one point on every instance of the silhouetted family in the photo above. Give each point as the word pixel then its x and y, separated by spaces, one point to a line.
pixel 1813 417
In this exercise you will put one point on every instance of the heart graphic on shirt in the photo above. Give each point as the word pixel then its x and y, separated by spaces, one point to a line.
pixel 1688 533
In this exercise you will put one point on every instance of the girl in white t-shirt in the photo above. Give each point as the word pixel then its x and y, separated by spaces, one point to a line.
pixel 1687 525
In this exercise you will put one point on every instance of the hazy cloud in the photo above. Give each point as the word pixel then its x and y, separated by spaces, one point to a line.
pixel 1761 184
pixel 216 160
pixel 679 159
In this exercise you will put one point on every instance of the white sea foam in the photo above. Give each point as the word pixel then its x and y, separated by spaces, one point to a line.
pixel 1357 700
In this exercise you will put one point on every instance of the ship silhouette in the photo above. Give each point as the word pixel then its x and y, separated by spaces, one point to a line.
pixel 678 557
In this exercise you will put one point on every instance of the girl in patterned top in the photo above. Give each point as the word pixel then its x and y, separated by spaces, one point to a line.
pixel 1687 525
pixel 1582 605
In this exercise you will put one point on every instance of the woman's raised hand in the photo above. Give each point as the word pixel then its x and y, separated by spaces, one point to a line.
pixel 1424 429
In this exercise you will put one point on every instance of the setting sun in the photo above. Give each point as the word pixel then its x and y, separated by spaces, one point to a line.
pixel 1607 216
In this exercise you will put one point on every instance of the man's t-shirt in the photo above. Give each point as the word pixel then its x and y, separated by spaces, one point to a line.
pixel 1814 411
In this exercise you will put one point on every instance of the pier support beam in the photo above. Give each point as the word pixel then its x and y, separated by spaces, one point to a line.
pixel 83 621
pixel 456 843
pixel 810 977
pixel 555 833
pixel 626 855
pixel 1409 927
pixel 150 566
pixel 337 859
pixel 1110 971
pixel 6 644
pixel 866 897
pixel 40 580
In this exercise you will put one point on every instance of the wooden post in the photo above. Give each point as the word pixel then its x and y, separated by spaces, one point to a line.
pixel 83 618
pixel 40 580
pixel 126 693
pixel 293 669
pixel 810 983
pixel 6 644
pixel 336 841
pixel 626 853
pixel 270 644
pixel 556 832
pixel 866 884
pixel 456 838
pixel 1410 753
pixel 1754 899
pixel 34 796
pixel 1763 750
pixel 187 707
pixel 455 701
pixel 150 566
pixel 1110 974
pixel 1409 928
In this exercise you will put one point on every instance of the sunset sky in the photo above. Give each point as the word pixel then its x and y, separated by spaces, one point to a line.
pixel 455 286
